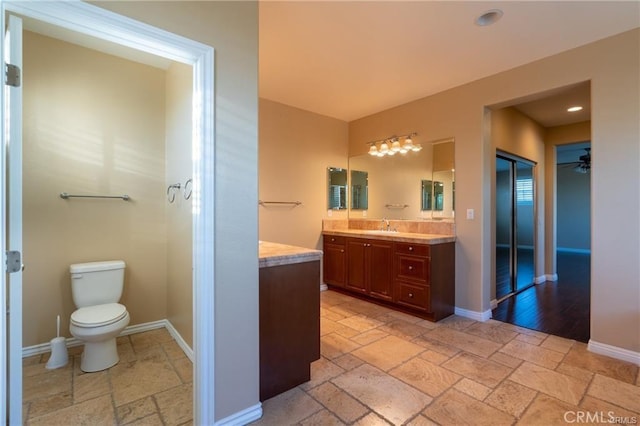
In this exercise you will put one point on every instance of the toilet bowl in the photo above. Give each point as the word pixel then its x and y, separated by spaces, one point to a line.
pixel 96 288
pixel 98 326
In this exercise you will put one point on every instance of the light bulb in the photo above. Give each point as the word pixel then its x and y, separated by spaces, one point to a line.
pixel 391 152
pixel 373 150
pixel 384 148
pixel 408 144
pixel 416 148
pixel 395 146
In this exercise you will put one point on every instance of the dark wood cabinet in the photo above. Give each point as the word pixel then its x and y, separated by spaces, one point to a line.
pixel 289 325
pixel 334 266
pixel 356 265
pixel 380 269
pixel 369 267
pixel 416 278
pixel 424 278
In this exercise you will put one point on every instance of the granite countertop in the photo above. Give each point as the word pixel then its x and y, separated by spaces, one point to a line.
pixel 403 237
pixel 275 254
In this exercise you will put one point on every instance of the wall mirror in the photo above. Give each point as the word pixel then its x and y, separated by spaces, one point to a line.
pixel 337 188
pixel 359 190
pixel 427 195
pixel 443 179
pixel 418 185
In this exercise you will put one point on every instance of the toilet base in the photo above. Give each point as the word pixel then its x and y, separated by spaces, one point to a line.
pixel 98 356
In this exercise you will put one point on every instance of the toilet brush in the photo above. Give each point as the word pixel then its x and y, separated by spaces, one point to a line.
pixel 59 356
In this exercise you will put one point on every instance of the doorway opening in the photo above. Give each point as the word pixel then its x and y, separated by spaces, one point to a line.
pixel 120 31
pixel 559 138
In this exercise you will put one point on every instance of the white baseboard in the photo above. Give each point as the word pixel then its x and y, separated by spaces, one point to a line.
pixel 243 417
pixel 132 329
pixel 474 315
pixel 614 352
pixel 324 287
pixel 180 341
pixel 146 326
pixel 493 304
pixel 551 277
pixel 539 280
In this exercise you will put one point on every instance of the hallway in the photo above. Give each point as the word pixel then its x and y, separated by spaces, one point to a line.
pixel 560 308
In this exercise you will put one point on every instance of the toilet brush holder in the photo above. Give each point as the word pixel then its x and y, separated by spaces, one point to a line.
pixel 59 356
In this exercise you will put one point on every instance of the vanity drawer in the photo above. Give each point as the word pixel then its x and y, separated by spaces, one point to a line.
pixel 412 268
pixel 334 239
pixel 413 296
pixel 412 249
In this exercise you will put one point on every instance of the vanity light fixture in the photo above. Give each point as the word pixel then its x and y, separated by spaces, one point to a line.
pixel 392 145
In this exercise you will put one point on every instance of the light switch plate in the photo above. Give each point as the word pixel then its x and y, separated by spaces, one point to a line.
pixel 470 214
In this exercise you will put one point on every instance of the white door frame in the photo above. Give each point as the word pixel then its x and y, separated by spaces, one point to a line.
pixel 91 20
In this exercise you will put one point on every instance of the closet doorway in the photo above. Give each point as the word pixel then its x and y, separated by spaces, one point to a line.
pixel 515 225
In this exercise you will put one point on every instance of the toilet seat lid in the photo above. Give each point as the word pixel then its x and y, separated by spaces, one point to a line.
pixel 98 315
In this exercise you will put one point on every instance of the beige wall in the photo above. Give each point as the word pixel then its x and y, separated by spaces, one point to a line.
pixel 93 124
pixel 178 167
pixel 612 65
pixel 232 29
pixel 515 133
pixel 296 147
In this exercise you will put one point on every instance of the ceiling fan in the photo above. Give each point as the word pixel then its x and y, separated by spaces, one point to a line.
pixel 583 165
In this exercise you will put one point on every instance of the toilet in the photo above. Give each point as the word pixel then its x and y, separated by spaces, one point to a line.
pixel 96 288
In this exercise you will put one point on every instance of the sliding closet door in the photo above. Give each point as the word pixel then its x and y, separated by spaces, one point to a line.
pixel 504 228
pixel 515 225
pixel 524 225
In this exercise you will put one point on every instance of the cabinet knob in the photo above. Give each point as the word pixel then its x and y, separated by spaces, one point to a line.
pixel 341 250
pixel 411 295
pixel 410 248
pixel 333 239
pixel 411 268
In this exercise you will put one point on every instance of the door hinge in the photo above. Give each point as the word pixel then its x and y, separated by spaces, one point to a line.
pixel 14 263
pixel 12 75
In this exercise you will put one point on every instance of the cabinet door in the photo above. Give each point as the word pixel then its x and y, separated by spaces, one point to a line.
pixel 380 269
pixel 334 264
pixel 356 265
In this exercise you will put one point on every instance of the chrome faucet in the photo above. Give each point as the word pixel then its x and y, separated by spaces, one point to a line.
pixel 386 225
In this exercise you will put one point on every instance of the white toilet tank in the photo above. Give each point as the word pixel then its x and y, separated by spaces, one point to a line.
pixel 96 283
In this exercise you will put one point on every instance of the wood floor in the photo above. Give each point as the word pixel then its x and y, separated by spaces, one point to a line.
pixel 560 308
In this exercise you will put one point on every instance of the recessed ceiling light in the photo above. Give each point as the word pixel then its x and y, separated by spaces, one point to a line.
pixel 574 108
pixel 489 17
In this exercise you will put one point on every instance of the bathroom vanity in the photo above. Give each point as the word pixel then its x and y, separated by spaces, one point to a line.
pixel 409 272
pixel 289 316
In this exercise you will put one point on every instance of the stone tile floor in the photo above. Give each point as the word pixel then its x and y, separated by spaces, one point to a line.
pixel 378 367
pixel 381 367
pixel 151 385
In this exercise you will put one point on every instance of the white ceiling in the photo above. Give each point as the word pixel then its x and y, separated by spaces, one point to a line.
pixel 351 59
